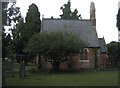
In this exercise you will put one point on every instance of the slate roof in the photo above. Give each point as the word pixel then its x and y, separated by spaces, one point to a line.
pixel 82 28
pixel 103 47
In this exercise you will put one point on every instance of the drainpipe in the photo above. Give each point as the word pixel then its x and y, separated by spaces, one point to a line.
pixel 96 55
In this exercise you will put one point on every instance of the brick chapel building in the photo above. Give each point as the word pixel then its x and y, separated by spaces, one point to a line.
pixel 95 54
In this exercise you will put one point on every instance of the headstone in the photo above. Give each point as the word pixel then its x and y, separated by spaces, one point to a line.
pixel 22 70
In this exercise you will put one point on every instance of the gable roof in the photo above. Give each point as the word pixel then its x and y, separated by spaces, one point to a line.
pixel 103 47
pixel 82 28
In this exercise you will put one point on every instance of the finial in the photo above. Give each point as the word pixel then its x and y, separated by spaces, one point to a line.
pixel 69 0
pixel 10 1
pixel 92 6
pixel 118 4
pixel 42 16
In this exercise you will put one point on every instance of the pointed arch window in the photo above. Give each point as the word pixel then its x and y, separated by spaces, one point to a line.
pixel 86 54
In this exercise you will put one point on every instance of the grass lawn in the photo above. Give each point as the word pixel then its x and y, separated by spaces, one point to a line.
pixel 91 78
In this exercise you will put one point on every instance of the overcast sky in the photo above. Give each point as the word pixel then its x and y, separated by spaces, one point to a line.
pixel 106 11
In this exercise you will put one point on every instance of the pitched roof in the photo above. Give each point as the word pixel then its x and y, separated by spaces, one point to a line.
pixel 103 47
pixel 82 28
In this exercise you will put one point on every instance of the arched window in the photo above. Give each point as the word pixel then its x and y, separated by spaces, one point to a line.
pixel 86 54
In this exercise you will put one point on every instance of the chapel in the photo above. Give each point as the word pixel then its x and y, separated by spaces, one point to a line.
pixel 95 54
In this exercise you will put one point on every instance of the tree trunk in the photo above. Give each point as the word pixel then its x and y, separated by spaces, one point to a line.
pixel 38 62
pixel 56 66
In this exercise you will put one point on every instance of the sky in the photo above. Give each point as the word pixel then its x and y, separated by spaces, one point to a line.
pixel 106 11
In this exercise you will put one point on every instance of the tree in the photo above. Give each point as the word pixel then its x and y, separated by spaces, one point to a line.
pixel 10 16
pixel 68 14
pixel 114 50
pixel 8 42
pixel 18 35
pixel 4 43
pixel 15 18
pixel 23 31
pixel 55 47
pixel 118 20
pixel 33 22
pixel 74 15
pixel 14 14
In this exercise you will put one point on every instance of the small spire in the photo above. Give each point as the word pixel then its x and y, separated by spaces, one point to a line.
pixel 92 6
pixel 118 4
pixel 92 14
pixel 69 0
pixel 42 16
pixel 12 1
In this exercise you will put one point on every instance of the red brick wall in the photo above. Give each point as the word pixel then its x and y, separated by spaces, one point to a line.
pixel 90 64
pixel 45 65
pixel 75 62
pixel 103 61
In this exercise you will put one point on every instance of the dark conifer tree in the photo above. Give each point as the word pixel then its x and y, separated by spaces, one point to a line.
pixel 68 14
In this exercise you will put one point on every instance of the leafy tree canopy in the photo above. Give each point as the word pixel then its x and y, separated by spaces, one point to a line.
pixel 23 31
pixel 19 38
pixel 10 16
pixel 33 22
pixel 114 50
pixel 68 14
pixel 55 46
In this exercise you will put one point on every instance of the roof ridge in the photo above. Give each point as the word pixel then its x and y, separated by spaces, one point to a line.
pixel 65 19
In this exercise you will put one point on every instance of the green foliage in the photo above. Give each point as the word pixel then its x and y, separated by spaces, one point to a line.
pixel 23 31
pixel 114 50
pixel 19 38
pixel 118 20
pixel 10 15
pixel 6 41
pixel 74 15
pixel 68 14
pixel 33 22
pixel 13 14
pixel 55 46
